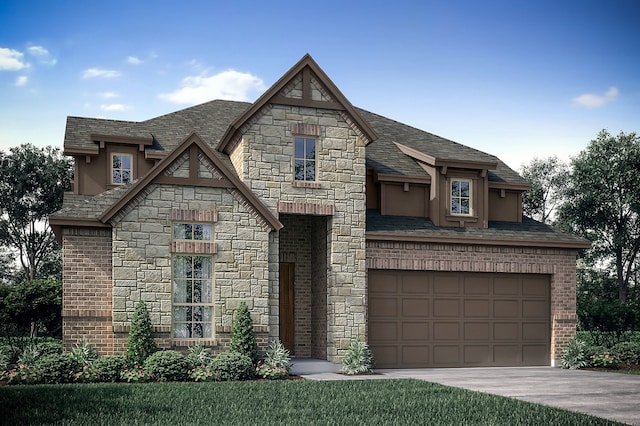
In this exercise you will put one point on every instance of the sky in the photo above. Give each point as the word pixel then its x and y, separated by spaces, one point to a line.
pixel 516 79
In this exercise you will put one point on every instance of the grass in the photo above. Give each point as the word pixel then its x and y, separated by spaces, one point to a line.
pixel 398 402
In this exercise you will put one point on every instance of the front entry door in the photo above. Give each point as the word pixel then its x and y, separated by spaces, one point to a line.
pixel 287 279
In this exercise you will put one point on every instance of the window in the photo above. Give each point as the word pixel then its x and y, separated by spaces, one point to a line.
pixel 305 159
pixel 461 196
pixel 193 231
pixel 192 297
pixel 121 169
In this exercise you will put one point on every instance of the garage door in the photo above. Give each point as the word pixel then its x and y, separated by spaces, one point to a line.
pixel 448 319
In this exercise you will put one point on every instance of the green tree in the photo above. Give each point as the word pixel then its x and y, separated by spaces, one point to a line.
pixel 32 184
pixel 243 337
pixel 32 307
pixel 548 180
pixel 603 203
pixel 140 344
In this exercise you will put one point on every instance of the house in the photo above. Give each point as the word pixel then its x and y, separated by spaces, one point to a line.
pixel 329 221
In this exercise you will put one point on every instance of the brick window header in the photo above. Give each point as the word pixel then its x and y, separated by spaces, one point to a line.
pixel 305 129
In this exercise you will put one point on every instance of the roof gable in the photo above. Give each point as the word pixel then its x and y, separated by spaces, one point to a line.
pixel 193 162
pixel 305 84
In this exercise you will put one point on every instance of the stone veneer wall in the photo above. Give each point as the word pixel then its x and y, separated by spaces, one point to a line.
pixel 560 264
pixel 266 166
pixel 142 261
pixel 86 288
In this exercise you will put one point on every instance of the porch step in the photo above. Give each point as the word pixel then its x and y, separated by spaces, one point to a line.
pixel 302 366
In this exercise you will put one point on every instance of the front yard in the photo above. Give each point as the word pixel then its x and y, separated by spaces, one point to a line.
pixel 400 402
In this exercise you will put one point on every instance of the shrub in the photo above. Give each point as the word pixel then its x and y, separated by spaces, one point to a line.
pixel 13 353
pixel 358 359
pixel 199 355
pixel 574 355
pixel 277 355
pixel 5 358
pixel 109 367
pixel 58 368
pixel 203 373
pixel 135 374
pixel 232 366
pixel 30 355
pixel 627 352
pixel 604 360
pixel 243 337
pixel 22 375
pixel 50 347
pixel 84 353
pixel 141 344
pixel 271 372
pixel 88 374
pixel 167 366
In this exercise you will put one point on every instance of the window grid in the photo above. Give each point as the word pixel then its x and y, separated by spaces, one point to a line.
pixel 461 197
pixel 121 168
pixel 305 159
pixel 193 231
pixel 192 297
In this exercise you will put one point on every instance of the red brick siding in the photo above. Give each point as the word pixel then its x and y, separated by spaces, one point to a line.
pixel 560 264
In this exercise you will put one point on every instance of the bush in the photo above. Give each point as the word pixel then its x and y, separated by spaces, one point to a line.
pixel 135 374
pixel 12 352
pixel 605 360
pixel 270 372
pixel 627 352
pixel 30 355
pixel 5 358
pixel 199 355
pixel 141 344
pixel 232 366
pixel 22 375
pixel 60 368
pixel 203 373
pixel 358 359
pixel 84 353
pixel 167 366
pixel 243 337
pixel 88 374
pixel 574 355
pixel 50 347
pixel 110 367
pixel 277 355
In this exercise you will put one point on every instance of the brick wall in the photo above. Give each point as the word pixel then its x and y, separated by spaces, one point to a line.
pixel 86 288
pixel 559 264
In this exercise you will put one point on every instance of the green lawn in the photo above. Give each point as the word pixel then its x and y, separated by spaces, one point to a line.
pixel 409 402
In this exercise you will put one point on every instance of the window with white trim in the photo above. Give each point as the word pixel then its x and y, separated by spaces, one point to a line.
pixel 304 159
pixel 121 168
pixel 460 192
pixel 192 297
pixel 193 231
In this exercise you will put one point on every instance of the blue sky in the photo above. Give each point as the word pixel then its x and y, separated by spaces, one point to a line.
pixel 517 79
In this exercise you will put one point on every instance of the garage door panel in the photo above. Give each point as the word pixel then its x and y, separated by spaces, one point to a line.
pixel 383 282
pixel 415 307
pixel 477 308
pixel 535 309
pixel 477 331
pixel 415 331
pixel 439 319
pixel 446 331
pixel 505 331
pixel 478 354
pixel 505 308
pixel 446 308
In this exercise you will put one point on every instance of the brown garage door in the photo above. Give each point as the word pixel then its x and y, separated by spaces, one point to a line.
pixel 450 319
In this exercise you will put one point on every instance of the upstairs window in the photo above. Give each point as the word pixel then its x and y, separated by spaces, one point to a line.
pixel 461 196
pixel 193 231
pixel 305 159
pixel 121 169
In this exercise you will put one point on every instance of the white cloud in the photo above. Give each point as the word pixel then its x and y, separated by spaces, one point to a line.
pixel 22 81
pixel 590 100
pixel 97 72
pixel 42 55
pixel 230 85
pixel 11 60
pixel 114 107
pixel 108 95
pixel 134 60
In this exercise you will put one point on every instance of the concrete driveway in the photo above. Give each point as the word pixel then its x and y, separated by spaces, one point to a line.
pixel 612 396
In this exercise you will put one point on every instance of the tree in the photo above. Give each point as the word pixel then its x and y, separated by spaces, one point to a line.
pixel 32 307
pixel 243 337
pixel 140 344
pixel 603 203
pixel 32 184
pixel 548 180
